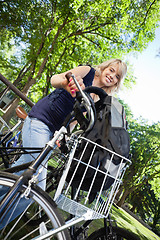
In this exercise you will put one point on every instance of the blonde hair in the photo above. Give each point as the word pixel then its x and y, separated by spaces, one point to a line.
pixel 122 69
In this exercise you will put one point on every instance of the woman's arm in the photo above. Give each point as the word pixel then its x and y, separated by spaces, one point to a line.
pixel 60 81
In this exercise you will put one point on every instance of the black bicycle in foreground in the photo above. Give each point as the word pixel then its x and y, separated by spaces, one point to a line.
pixel 28 212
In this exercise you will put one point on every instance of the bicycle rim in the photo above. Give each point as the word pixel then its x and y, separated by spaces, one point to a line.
pixel 118 234
pixel 40 207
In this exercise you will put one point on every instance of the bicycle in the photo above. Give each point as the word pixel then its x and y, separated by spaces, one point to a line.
pixel 8 143
pixel 11 144
pixel 48 218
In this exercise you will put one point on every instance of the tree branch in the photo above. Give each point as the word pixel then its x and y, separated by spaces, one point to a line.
pixel 148 12
pixel 85 31
pixel 95 43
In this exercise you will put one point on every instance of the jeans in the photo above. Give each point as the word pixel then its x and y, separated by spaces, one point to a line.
pixel 34 134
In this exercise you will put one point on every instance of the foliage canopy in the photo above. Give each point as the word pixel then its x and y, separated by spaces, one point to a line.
pixel 43 37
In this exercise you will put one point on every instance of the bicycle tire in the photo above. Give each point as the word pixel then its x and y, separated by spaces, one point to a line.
pixel 120 234
pixel 44 202
pixel 51 185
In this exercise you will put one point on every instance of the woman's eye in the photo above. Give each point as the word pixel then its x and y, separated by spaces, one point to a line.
pixel 118 77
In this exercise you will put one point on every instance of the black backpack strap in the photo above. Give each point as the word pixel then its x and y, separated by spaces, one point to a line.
pixel 106 121
pixel 103 108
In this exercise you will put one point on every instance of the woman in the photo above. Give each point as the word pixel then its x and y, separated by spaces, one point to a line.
pixel 48 115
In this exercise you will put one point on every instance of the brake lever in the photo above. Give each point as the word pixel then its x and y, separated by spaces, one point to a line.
pixel 84 98
pixel 85 101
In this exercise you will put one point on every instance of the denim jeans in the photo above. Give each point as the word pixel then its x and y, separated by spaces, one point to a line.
pixel 34 134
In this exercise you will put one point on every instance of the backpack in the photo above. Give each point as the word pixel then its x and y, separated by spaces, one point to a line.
pixel 110 131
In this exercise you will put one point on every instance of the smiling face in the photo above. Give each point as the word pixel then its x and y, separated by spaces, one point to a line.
pixel 110 76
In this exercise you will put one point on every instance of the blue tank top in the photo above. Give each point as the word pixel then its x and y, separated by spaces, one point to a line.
pixel 54 108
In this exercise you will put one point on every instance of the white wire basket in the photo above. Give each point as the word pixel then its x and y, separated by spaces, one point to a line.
pixel 94 182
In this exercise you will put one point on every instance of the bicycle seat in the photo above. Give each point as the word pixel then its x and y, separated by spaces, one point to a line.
pixel 21 113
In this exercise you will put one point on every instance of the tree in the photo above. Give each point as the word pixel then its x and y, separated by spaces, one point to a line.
pixel 50 36
pixel 146 205
pixel 141 183
pixel 156 219
pixel 145 152
pixel 143 201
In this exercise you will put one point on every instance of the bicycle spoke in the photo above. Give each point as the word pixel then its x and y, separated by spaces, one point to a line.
pixel 38 210
pixel 16 223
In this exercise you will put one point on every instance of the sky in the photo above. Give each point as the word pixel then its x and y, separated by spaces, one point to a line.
pixel 144 98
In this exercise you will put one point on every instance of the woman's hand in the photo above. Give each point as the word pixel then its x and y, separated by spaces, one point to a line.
pixel 71 86
pixel 60 81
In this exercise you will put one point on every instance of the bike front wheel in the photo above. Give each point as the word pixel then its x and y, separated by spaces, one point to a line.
pixel 118 234
pixel 37 205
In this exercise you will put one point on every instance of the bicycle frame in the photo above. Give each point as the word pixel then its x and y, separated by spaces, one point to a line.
pixel 6 151
pixel 6 136
pixel 28 178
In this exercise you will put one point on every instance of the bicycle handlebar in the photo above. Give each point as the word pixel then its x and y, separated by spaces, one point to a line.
pixel 68 75
pixel 86 101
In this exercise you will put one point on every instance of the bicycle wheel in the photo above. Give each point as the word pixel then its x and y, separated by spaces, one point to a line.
pixel 18 228
pixel 51 186
pixel 118 234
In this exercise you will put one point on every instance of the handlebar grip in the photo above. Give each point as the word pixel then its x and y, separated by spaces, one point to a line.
pixel 68 75
pixel 98 91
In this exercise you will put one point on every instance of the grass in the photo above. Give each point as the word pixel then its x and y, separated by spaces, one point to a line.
pixel 126 221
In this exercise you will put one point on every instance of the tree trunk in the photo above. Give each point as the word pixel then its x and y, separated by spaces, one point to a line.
pixel 122 200
pixel 11 110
